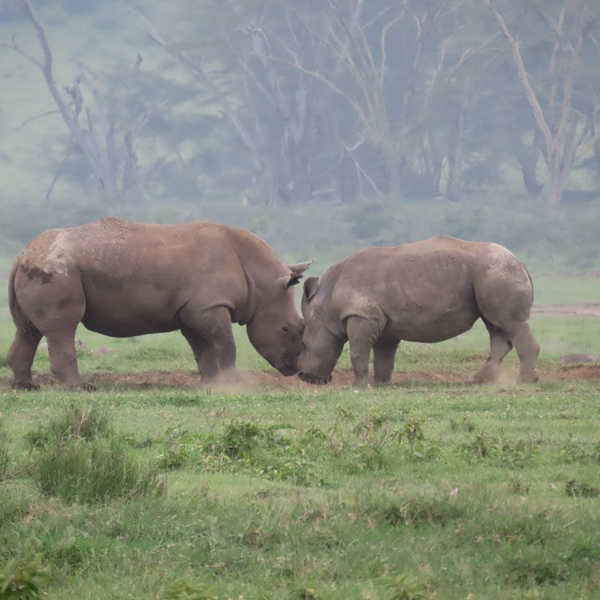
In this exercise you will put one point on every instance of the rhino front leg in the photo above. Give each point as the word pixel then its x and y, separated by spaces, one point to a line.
pixel 385 355
pixel 210 336
pixel 362 334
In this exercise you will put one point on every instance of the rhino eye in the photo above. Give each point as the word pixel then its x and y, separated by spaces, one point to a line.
pixel 285 329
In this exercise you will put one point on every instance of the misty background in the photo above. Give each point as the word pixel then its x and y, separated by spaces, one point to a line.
pixel 321 125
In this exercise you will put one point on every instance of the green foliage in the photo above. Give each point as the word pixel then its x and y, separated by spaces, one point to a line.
pixel 22 580
pixel 406 587
pixel 76 422
pixel 186 590
pixel 4 453
pixel 580 489
pixel 423 489
pixel 79 459
pixel 81 471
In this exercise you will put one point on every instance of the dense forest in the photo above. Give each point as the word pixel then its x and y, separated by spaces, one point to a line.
pixel 323 123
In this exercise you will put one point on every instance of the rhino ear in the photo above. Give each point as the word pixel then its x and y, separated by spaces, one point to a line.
pixel 311 285
pixel 286 281
pixel 297 270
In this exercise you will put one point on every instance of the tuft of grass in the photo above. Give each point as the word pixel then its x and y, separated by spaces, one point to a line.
pixel 187 590
pixel 4 453
pixel 88 472
pixel 22 580
pixel 76 422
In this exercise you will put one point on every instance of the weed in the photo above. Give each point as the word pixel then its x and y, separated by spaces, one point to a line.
pixel 517 486
pixel 22 580
pixel 240 438
pixel 14 504
pixel 187 590
pixel 406 587
pixel 420 511
pixel 78 421
pixel 466 424
pixel 4 454
pixel 581 489
pixel 501 450
pixel 578 452
pixel 534 566
pixel 178 448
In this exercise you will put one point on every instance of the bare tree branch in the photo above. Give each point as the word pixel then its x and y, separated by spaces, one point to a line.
pixel 201 76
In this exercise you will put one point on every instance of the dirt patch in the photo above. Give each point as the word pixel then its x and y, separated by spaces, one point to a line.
pixel 271 380
pixel 586 309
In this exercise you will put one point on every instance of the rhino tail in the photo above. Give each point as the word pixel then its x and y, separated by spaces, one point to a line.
pixel 19 317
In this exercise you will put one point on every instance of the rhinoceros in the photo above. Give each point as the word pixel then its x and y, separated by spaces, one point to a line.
pixel 122 278
pixel 425 291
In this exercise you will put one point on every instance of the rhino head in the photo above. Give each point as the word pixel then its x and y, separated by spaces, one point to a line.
pixel 321 347
pixel 276 328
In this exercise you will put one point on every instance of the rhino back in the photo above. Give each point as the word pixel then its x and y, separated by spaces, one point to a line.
pixel 424 290
pixel 137 276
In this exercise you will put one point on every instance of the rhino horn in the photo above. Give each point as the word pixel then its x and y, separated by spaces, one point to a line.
pixel 299 268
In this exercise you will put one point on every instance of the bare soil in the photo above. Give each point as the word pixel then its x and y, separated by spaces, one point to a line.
pixel 589 309
pixel 272 380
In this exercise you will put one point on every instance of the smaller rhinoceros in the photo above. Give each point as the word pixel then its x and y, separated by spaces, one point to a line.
pixel 123 279
pixel 425 291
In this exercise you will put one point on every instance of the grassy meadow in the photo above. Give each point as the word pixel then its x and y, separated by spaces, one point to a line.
pixel 426 489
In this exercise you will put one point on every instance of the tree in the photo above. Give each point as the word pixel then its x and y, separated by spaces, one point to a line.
pixel 94 126
pixel 562 128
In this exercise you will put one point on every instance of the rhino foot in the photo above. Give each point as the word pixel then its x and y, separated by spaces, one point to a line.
pixel 28 386
pixel 314 379
pixel 528 378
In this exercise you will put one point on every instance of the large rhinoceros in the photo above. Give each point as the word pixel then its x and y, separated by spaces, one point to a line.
pixel 425 291
pixel 123 279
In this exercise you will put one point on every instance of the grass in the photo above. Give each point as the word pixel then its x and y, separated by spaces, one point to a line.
pixel 412 491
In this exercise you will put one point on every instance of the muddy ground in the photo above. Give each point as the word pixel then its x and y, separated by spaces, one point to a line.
pixel 575 367
pixel 271 380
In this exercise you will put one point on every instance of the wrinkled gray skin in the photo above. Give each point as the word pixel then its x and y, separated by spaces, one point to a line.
pixel 426 291
pixel 123 279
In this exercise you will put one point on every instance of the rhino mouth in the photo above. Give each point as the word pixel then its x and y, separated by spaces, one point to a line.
pixel 314 379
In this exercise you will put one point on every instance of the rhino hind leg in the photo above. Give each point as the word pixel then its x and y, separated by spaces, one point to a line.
pixel 20 357
pixel 500 346
pixel 501 342
pixel 528 350
pixel 210 337
pixel 63 358
pixel 384 359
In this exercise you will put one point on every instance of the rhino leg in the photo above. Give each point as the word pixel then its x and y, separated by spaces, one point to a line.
pixel 500 346
pixel 385 355
pixel 528 350
pixel 362 334
pixel 63 358
pixel 55 307
pixel 210 336
pixel 20 357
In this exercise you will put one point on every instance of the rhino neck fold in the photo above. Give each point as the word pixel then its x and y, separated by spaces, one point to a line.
pixel 244 313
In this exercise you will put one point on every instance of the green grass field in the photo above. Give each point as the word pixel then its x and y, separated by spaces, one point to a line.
pixel 421 490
